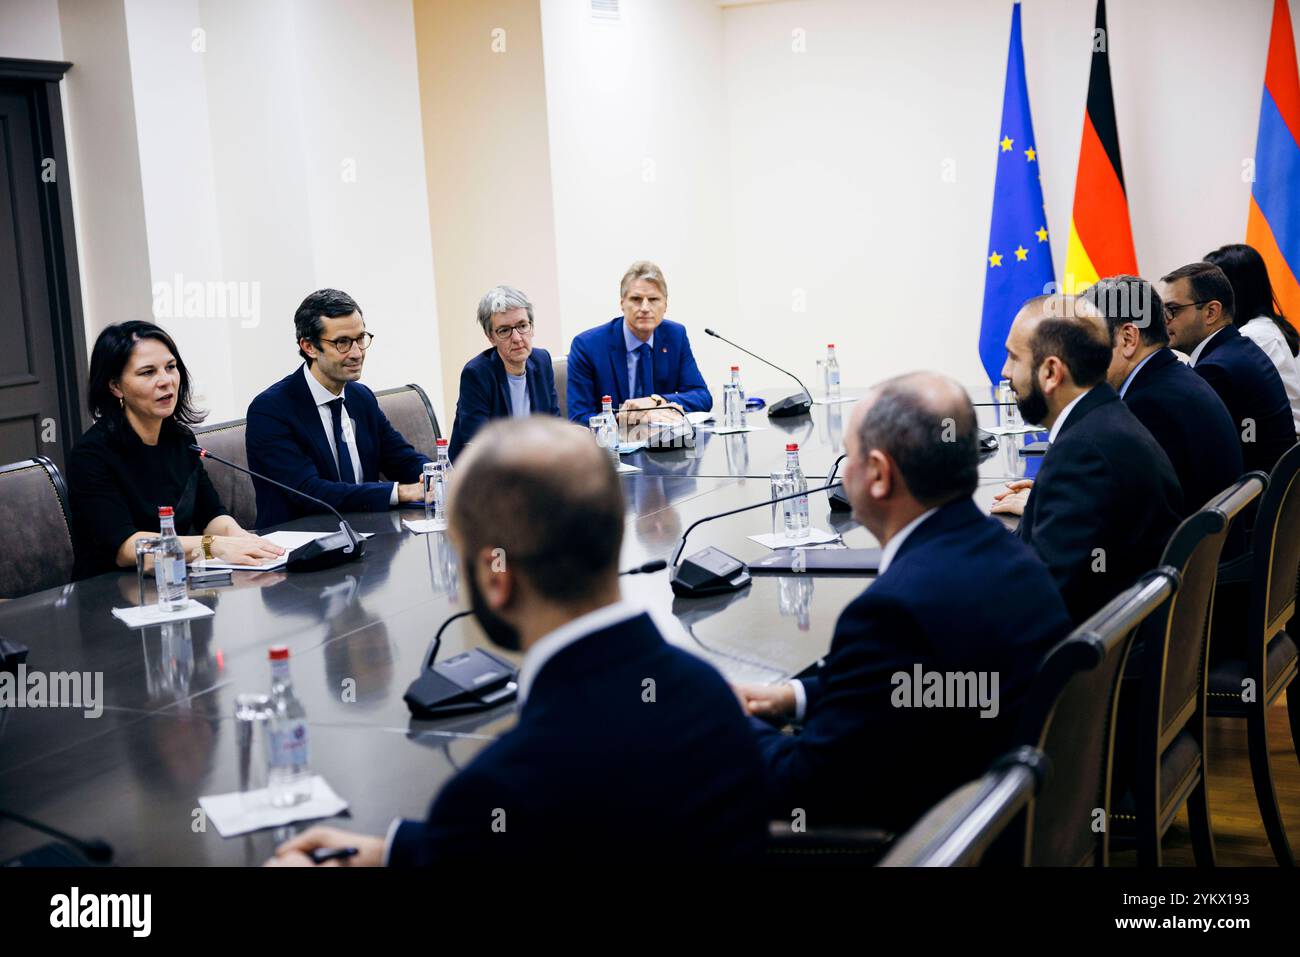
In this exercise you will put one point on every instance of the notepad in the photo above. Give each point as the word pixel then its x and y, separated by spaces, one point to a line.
pixel 239 812
pixel 139 616
pixel 286 540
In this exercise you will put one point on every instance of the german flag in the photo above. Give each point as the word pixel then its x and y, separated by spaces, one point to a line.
pixel 1101 240
pixel 1273 225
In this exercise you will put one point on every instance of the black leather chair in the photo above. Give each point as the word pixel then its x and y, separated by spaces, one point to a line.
pixel 560 365
pixel 1160 739
pixel 234 488
pixel 410 412
pixel 36 549
pixel 1069 715
pixel 959 830
pixel 1253 659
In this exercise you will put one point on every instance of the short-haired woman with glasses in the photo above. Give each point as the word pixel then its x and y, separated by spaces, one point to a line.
pixel 137 457
pixel 510 377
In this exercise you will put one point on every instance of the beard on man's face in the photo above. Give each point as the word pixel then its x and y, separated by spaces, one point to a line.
pixel 499 631
pixel 1033 407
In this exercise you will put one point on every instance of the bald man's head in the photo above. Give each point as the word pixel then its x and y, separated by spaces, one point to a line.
pixel 542 491
pixel 925 423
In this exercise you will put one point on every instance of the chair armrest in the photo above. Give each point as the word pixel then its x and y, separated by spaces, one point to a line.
pixel 861 844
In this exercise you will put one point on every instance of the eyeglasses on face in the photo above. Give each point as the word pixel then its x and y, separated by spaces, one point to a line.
pixel 344 344
pixel 1172 309
pixel 503 333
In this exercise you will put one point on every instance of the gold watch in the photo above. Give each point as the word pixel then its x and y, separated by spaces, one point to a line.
pixel 207 547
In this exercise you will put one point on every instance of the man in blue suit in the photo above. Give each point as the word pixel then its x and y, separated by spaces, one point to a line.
pixel 321 431
pixel 627 748
pixel 1180 410
pixel 959 605
pixel 1199 306
pixel 641 360
pixel 510 378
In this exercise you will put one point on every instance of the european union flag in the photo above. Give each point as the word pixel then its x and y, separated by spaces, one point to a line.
pixel 1018 264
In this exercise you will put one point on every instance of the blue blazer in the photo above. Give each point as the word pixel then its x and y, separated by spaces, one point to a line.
pixel 1249 385
pixel 961 595
pixel 598 366
pixel 285 439
pixel 595 771
pixel 1105 484
pixel 485 394
pixel 1192 425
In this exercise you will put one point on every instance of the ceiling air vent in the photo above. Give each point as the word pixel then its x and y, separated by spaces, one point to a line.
pixel 604 11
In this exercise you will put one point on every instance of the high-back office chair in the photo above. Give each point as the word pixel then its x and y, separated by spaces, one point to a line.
pixel 234 488
pixel 960 829
pixel 1252 657
pixel 1069 714
pixel 35 528
pixel 560 365
pixel 411 413
pixel 1160 738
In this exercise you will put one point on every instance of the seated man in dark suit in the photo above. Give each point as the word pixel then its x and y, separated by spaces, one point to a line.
pixel 641 360
pixel 627 748
pixel 510 378
pixel 298 427
pixel 1106 498
pixel 1199 307
pixel 957 597
pixel 1177 406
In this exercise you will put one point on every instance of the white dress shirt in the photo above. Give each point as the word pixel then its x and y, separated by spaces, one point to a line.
pixel 1263 331
pixel 886 559
pixel 323 397
pixel 1060 419
pixel 1200 346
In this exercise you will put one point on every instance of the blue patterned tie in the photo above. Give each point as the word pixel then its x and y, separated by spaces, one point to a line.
pixel 345 456
pixel 645 373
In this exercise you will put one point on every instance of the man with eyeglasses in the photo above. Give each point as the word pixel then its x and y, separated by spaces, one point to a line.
pixel 508 379
pixel 321 431
pixel 1199 307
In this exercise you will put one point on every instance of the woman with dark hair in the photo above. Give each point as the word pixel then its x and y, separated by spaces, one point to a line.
pixel 1258 317
pixel 136 457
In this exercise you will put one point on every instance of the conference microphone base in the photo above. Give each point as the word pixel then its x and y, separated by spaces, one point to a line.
pixel 328 552
pixel 709 571
pixel 839 501
pixel 791 405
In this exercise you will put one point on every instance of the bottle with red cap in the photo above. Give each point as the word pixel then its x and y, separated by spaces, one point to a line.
pixel 442 481
pixel 169 564
pixel 832 373
pixel 288 778
pixel 796 509
pixel 608 436
pixel 735 380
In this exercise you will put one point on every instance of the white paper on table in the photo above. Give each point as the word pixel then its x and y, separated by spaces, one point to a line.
pixel 286 540
pixel 823 400
pixel 719 430
pixel 815 536
pixel 238 813
pixel 624 467
pixel 1011 429
pixel 138 616
pixel 699 418
pixel 423 526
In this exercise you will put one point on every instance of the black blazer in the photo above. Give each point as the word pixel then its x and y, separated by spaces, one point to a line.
pixel 1105 484
pixel 961 595
pixel 1192 425
pixel 485 394
pixel 594 771
pixel 285 439
pixel 1249 385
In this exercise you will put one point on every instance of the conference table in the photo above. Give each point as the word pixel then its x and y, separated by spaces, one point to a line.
pixel 358 634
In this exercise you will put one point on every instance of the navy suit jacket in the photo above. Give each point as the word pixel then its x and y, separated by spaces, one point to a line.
pixel 485 394
pixel 594 771
pixel 285 439
pixel 961 595
pixel 1249 385
pixel 1192 425
pixel 1105 483
pixel 598 366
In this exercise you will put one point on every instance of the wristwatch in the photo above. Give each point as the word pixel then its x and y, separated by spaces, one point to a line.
pixel 207 547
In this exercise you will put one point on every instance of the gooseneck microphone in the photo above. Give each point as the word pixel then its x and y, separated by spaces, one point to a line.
pixel 790 405
pixel 345 545
pixel 657 565
pixel 838 499
pixel 96 850
pixel 711 571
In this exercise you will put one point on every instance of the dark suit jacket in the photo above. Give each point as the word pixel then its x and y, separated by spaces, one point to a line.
pixel 1192 425
pixel 485 394
pixel 598 366
pixel 593 771
pixel 1106 484
pixel 1249 385
pixel 962 595
pixel 285 440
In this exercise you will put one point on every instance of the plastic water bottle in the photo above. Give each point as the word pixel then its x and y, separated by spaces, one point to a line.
pixel 832 373
pixel 735 380
pixel 609 437
pixel 169 564
pixel 287 776
pixel 796 509
pixel 442 481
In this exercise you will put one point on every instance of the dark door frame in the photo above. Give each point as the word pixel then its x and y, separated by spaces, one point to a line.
pixel 41 78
